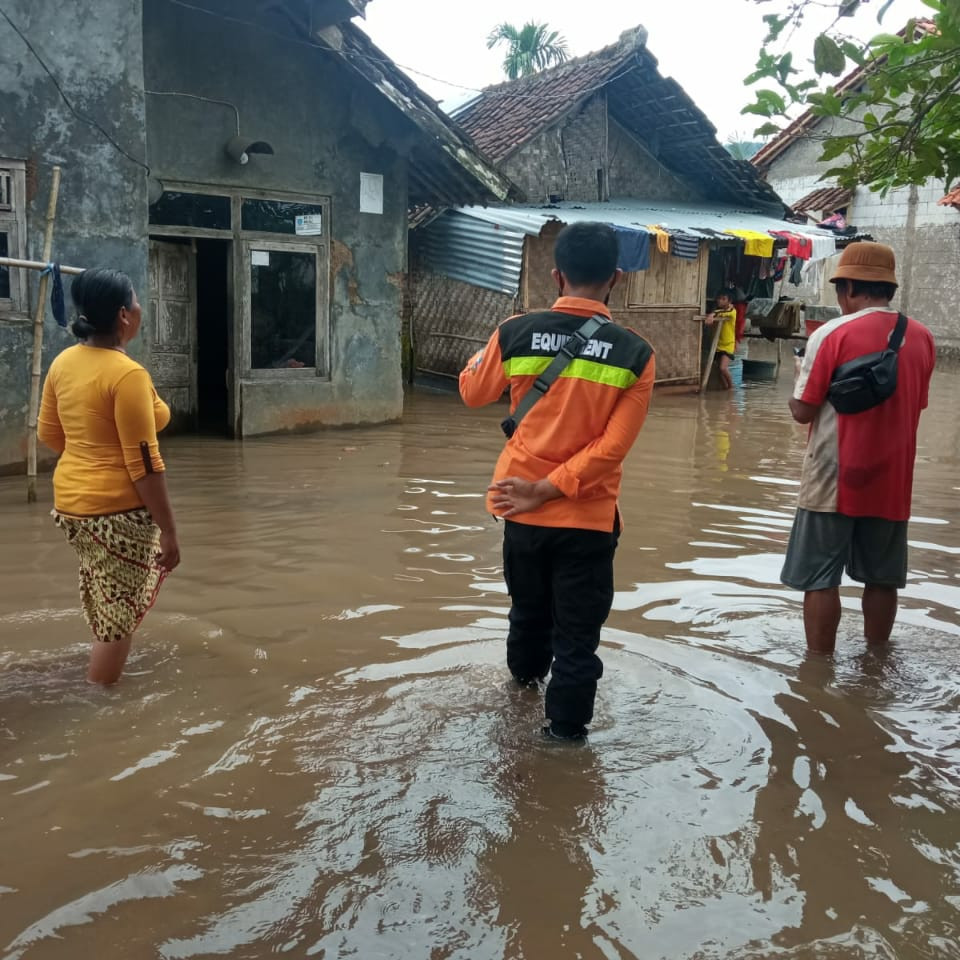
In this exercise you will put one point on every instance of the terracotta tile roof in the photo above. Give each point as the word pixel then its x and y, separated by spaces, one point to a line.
pixel 952 199
pixel 828 198
pixel 503 117
pixel 653 108
pixel 808 120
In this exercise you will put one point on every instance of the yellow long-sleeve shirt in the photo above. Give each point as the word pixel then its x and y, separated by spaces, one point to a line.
pixel 101 412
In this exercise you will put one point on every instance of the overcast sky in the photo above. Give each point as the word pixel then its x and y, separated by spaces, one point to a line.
pixel 708 46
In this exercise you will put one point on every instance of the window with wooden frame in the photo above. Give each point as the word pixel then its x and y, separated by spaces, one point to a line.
pixel 13 237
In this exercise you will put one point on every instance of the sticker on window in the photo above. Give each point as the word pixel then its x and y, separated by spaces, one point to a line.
pixel 259 258
pixel 309 224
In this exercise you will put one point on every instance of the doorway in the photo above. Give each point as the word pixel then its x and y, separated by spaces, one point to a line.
pixel 213 336
pixel 191 302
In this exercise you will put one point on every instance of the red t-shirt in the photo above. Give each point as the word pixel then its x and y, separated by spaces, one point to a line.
pixel 861 464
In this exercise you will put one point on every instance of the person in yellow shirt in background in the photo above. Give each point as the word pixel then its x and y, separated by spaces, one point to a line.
pixel 726 316
pixel 101 413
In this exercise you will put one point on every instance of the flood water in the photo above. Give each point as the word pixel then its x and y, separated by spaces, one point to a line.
pixel 317 752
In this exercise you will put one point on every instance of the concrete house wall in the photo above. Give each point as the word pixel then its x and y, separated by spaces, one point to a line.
pixel 303 103
pixel 924 235
pixel 102 211
pixel 325 123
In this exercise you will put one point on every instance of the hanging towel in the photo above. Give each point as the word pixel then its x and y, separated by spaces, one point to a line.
pixel 663 238
pixel 634 249
pixel 757 244
pixel 685 246
pixel 824 246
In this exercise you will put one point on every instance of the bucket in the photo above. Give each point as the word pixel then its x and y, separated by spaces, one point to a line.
pixel 812 325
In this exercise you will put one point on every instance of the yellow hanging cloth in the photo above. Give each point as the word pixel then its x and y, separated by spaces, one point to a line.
pixel 757 244
pixel 663 238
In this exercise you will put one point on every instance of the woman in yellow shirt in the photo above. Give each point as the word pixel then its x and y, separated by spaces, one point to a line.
pixel 101 413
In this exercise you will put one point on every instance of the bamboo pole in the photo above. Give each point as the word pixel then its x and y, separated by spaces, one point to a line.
pixel 34 408
pixel 714 340
pixel 36 265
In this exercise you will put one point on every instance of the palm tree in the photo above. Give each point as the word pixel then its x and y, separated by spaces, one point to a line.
pixel 530 49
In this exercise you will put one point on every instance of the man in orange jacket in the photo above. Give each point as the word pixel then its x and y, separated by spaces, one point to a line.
pixel 557 480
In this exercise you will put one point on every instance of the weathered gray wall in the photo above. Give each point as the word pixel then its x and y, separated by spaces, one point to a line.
pixel 304 103
pixel 564 160
pixel 634 173
pixel 102 211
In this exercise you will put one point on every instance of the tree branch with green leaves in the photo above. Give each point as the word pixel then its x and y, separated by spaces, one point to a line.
pixel 896 121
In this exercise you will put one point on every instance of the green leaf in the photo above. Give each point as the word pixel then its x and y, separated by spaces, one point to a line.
pixel 775 26
pixel 882 11
pixel 766 130
pixel 827 56
pixel 835 147
pixel 826 104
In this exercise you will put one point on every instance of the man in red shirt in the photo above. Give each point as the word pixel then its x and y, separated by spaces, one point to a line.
pixel 557 480
pixel 857 477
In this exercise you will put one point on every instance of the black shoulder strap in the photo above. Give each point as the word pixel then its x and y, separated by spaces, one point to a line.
pixel 896 338
pixel 568 352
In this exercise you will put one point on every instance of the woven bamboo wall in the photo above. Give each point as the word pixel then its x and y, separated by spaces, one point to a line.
pixel 452 320
pixel 674 333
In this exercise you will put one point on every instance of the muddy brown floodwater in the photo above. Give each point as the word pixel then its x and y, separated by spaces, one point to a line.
pixel 316 751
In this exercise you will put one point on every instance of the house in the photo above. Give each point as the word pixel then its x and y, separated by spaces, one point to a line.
pixel 603 137
pixel 923 230
pixel 250 164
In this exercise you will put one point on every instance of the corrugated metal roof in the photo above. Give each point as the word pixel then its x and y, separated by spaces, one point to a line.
pixel 827 198
pixel 699 219
pixel 484 245
pixel 474 250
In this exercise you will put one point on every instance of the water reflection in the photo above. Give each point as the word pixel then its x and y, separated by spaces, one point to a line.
pixel 317 750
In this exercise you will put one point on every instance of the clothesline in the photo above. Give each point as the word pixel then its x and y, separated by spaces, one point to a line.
pixel 36 265
pixel 636 241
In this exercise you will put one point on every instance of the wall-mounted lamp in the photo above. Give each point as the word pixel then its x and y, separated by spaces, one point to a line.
pixel 239 148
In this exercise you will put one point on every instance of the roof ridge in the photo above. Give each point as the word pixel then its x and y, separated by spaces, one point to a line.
pixel 629 42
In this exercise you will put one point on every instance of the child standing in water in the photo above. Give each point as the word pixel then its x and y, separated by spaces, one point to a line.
pixel 726 316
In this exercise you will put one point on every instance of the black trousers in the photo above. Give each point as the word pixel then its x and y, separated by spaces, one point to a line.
pixel 560 582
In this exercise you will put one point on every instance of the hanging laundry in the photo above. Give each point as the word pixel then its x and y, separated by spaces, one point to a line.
pixel 634 249
pixel 796 271
pixel 685 246
pixel 663 238
pixel 757 244
pixel 823 246
pixel 798 245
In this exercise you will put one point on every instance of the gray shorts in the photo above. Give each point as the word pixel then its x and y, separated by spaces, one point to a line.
pixel 873 550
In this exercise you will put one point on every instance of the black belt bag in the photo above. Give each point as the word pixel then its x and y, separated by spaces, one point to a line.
pixel 558 364
pixel 867 381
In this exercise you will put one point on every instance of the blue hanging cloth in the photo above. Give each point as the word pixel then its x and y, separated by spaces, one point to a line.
pixel 634 249
pixel 57 304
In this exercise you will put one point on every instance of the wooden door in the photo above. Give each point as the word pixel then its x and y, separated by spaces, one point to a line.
pixel 173 300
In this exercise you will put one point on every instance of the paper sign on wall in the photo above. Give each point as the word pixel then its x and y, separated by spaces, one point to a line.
pixel 309 224
pixel 371 193
pixel 260 258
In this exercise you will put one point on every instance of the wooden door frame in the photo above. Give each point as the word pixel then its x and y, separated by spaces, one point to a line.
pixel 192 333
